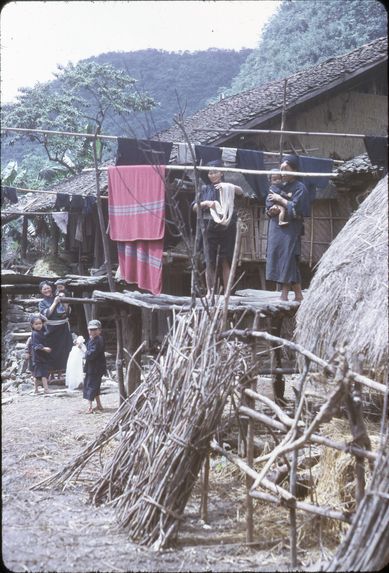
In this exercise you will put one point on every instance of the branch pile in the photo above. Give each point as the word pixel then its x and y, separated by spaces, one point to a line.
pixel 164 430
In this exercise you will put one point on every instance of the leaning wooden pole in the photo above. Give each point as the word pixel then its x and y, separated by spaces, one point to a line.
pixel 111 282
pixel 283 117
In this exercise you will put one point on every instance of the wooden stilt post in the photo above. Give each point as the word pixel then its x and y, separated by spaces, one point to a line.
pixel 24 242
pixel 250 447
pixel 108 266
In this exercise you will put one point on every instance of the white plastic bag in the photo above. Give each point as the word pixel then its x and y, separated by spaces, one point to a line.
pixel 74 367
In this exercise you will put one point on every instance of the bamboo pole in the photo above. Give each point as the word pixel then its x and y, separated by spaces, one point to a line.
pixel 283 116
pixel 235 170
pixel 298 348
pixel 115 137
pixel 278 131
pixel 285 497
pixel 205 489
pixel 314 438
pixel 111 282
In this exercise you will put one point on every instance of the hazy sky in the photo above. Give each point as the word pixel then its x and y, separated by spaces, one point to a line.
pixel 36 36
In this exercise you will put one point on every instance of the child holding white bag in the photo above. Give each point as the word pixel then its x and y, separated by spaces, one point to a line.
pixel 74 377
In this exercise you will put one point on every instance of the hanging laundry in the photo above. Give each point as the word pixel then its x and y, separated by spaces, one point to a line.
pixel 143 152
pixel 253 159
pixel 184 156
pixel 136 202
pixel 77 204
pixel 10 194
pixel 229 154
pixel 377 150
pixel 136 210
pixel 205 154
pixel 61 220
pixel 315 165
pixel 62 201
pixel 89 203
pixel 140 262
pixel 79 234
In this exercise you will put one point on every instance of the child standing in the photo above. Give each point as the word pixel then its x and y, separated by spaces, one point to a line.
pixel 95 365
pixel 39 351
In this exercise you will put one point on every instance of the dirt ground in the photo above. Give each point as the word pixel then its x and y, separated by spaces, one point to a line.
pixel 53 530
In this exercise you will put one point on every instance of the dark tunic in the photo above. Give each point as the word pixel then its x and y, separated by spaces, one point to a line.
pixel 40 358
pixel 221 238
pixel 59 337
pixel 284 242
pixel 95 367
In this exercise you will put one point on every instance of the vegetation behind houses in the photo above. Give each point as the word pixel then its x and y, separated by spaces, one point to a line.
pixel 304 33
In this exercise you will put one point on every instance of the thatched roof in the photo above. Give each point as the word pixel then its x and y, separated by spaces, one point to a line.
pixel 347 301
pixel 255 106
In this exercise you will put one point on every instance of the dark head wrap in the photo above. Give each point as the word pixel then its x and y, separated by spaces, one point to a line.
pixel 292 161
pixel 215 163
pixel 41 285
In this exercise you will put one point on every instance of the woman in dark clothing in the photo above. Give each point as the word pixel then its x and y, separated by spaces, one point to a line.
pixel 95 365
pixel 217 204
pixel 56 318
pixel 40 352
pixel 284 242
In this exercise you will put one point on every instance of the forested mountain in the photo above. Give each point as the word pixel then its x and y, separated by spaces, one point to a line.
pixel 176 79
pixel 302 33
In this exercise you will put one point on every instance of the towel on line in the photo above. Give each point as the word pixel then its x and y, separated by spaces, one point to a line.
pixel 136 202
pixel 223 210
pixel 140 262
pixel 61 220
pixel 229 154
pixel 143 152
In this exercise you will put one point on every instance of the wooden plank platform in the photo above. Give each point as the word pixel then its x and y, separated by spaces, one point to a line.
pixel 266 302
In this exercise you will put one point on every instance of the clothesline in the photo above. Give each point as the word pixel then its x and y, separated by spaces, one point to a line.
pixel 280 131
pixel 46 192
pixel 233 170
pixel 116 137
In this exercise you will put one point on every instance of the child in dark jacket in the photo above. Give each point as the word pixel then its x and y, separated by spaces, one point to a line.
pixel 39 352
pixel 95 365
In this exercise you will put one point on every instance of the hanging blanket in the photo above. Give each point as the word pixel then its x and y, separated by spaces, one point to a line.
pixel 140 262
pixel 136 208
pixel 136 202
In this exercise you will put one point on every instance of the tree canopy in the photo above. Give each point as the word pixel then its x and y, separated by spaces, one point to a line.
pixel 303 33
pixel 80 100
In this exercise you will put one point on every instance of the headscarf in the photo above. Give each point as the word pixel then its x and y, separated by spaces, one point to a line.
pixel 292 161
pixel 215 163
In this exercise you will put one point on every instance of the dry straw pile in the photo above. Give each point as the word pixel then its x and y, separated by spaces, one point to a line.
pixel 347 302
pixel 164 430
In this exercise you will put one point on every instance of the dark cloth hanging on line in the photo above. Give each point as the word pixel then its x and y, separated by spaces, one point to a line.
pixel 10 194
pixel 143 152
pixel 77 204
pixel 377 150
pixel 89 203
pixel 62 201
pixel 315 165
pixel 205 154
pixel 252 159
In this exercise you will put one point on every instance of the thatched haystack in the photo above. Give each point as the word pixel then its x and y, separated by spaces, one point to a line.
pixel 347 302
